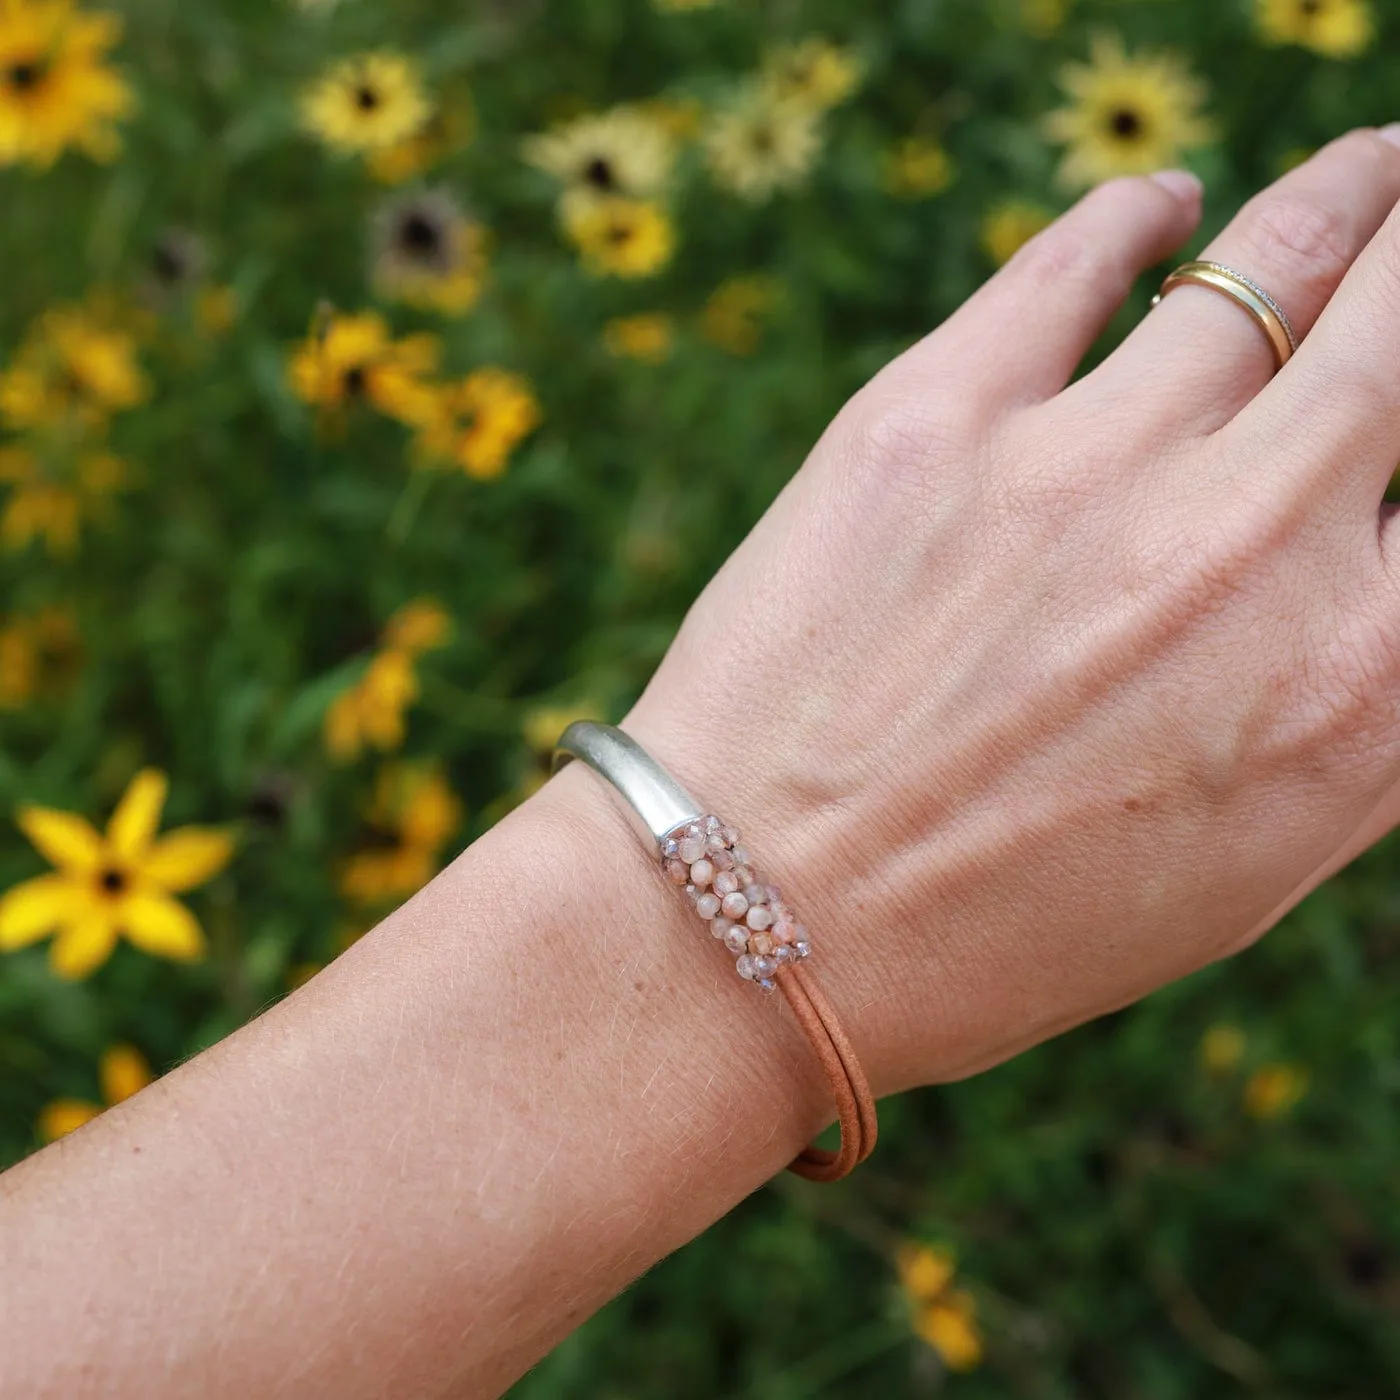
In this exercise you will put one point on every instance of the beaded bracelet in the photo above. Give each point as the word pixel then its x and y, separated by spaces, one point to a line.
pixel 704 857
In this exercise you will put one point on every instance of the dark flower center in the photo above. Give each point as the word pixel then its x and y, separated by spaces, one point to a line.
pixel 355 381
pixel 24 77
pixel 599 173
pixel 366 98
pixel 619 234
pixel 420 235
pixel 112 881
pixel 1126 123
pixel 1309 8
pixel 763 140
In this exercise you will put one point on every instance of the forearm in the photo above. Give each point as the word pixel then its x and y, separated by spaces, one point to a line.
pixel 422 1170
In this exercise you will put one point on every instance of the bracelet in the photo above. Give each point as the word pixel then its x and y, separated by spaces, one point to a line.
pixel 704 857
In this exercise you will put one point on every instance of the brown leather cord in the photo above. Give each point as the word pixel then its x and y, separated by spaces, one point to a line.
pixel 855 1107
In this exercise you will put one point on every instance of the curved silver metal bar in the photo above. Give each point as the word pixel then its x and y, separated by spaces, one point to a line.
pixel 652 793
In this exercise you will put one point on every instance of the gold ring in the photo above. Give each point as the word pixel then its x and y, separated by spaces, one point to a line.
pixel 1267 314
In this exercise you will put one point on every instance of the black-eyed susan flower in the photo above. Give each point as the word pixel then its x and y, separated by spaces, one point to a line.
pixel 1333 28
pixel 411 816
pixel 943 1316
pixel 76 366
pixel 758 143
pixel 56 90
pixel 1127 115
pixel 449 127
pixel 422 624
pixel 813 73
pixel 602 155
pixel 350 359
pixel 113 884
pixel 49 501
pixel 478 422
pixel 648 336
pixel 916 168
pixel 366 103
pixel 372 712
pixel 618 237
pixel 38 652
pixel 1273 1090
pixel 736 312
pixel 121 1072
pixel 428 254
pixel 1008 226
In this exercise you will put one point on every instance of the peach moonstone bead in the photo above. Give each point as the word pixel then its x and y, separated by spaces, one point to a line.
pixel 749 917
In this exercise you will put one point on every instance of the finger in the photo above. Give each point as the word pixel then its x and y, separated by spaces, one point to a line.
pixel 1199 358
pixel 1020 337
pixel 1334 410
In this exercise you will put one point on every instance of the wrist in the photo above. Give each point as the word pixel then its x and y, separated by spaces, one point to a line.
pixel 706 1051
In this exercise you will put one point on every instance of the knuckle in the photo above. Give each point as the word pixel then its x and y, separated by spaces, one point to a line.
pixel 1306 243
pixel 1057 254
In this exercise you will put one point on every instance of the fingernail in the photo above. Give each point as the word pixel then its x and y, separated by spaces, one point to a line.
pixel 1390 133
pixel 1181 183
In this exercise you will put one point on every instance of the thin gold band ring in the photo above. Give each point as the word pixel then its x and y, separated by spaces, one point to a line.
pixel 1266 313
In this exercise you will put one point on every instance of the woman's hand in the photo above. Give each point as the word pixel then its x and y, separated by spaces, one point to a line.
pixel 1037 697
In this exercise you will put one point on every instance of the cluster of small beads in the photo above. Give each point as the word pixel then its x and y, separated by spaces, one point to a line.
pixel 750 918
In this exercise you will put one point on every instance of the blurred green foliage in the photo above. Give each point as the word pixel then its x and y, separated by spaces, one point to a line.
pixel 1126 1227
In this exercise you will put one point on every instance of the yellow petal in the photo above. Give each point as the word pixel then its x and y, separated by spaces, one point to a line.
pixel 123 1072
pixel 187 857
pixel 83 947
pixel 924 1270
pixel 134 823
pixel 36 907
pixel 61 837
pixel 162 927
pixel 60 1117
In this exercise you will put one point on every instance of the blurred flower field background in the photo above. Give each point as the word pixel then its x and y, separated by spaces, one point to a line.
pixel 378 385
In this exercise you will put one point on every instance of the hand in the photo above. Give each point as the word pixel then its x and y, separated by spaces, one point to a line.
pixel 1035 697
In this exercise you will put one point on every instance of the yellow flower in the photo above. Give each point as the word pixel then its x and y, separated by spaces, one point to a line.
pixel 943 1316
pixel 55 89
pixel 366 103
pixel 415 812
pixel 758 143
pixel 419 626
pixel 479 421
pixel 1272 1090
pixel 620 237
pixel 1008 226
pixel 34 651
pixel 121 1072
pixel 623 151
pixel 543 724
pixel 1333 28
pixel 648 336
pixel 916 168
pixel 814 73
pixel 428 254
pixel 1221 1049
pixel 372 711
pixel 117 883
pixel 75 365
pixel 48 506
pixel 1042 18
pixel 1127 115
pixel 734 314
pixel 350 359
pixel 448 128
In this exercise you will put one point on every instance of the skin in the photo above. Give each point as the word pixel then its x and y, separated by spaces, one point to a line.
pixel 1032 697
